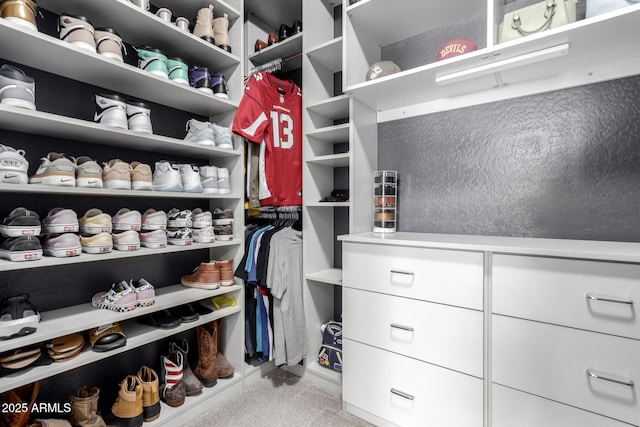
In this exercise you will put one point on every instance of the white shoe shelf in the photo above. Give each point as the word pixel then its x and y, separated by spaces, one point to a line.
pixel 58 58
pixel 81 318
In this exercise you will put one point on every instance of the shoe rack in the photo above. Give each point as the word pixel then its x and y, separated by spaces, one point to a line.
pixel 63 122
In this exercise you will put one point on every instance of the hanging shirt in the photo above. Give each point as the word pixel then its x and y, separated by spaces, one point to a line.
pixel 270 114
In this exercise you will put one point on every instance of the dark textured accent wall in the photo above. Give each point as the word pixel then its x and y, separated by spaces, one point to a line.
pixel 563 164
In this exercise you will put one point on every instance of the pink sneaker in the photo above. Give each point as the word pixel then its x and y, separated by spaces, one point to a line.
pixel 62 245
pixel 126 219
pixel 145 292
pixel 121 297
pixel 60 220
pixel 126 241
pixel 154 239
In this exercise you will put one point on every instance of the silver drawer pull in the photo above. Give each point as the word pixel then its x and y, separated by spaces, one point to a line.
pixel 404 328
pixel 402 394
pixel 592 297
pixel 599 376
pixel 408 273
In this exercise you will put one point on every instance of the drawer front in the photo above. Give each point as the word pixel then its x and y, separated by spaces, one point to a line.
pixel 408 392
pixel 449 277
pixel 559 290
pixel 515 408
pixel 440 334
pixel 555 362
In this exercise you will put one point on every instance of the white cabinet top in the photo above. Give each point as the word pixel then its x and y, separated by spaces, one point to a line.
pixel 586 249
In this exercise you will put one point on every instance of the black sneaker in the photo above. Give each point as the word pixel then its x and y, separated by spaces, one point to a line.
pixel 21 222
pixel 219 85
pixel 18 317
pixel 23 248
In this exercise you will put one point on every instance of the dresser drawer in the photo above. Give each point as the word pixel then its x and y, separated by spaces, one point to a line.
pixel 445 276
pixel 556 290
pixel 515 408
pixel 408 392
pixel 555 362
pixel 440 334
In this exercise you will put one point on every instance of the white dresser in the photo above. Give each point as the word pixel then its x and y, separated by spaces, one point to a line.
pixel 450 330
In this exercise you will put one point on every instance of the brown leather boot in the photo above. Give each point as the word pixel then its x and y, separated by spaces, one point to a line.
pixel 84 408
pixel 226 272
pixel 204 22
pixel 206 369
pixel 225 370
pixel 127 409
pixel 221 32
pixel 205 276
pixel 150 393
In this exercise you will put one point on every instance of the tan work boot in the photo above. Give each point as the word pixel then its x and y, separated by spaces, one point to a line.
pixel 127 408
pixel 204 22
pixel 205 276
pixel 206 369
pixel 150 393
pixel 84 408
pixel 221 32
pixel 225 370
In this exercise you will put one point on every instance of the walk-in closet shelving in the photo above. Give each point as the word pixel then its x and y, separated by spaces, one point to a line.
pixel 599 48
pixel 53 58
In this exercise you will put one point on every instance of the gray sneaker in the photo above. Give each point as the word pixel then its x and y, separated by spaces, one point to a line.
pixel 223 181
pixel 223 232
pixel 55 169
pixel 16 88
pixel 88 173
pixel 209 179
pixel 222 216
pixel 223 137
pixel 23 248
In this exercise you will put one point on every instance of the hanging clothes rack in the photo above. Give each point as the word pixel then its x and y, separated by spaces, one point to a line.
pixel 273 65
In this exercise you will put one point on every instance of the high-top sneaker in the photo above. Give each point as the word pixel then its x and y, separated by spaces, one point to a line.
pixel 84 408
pixel 178 70
pixel 223 181
pixel 13 165
pixel 223 136
pixel 205 276
pixel 78 31
pixel 219 85
pixel 166 177
pixel 20 12
pixel 226 272
pixel 16 88
pixel 150 393
pixel 204 22
pixel 139 117
pixel 199 78
pixel 221 32
pixel 193 386
pixel 127 409
pixel 206 369
pixel 152 60
pixel 190 176
pixel 200 132
pixel 209 179
pixel 172 388
pixel 109 43
pixel 111 110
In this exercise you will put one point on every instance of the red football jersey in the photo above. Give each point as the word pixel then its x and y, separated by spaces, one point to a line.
pixel 270 114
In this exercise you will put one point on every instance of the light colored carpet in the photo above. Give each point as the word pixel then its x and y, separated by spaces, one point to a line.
pixel 280 399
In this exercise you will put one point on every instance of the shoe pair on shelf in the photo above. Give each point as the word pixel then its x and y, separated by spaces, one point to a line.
pixel 21 229
pixel 125 296
pixel 138 400
pixel 58 169
pixel 211 82
pixel 213 30
pixel 207 133
pixel 78 31
pixel 285 31
pixel 210 275
pixel 114 111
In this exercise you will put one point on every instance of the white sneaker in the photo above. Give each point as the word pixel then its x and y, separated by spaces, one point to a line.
pixel 111 110
pixel 190 176
pixel 209 179
pixel 154 220
pixel 223 181
pixel 200 218
pixel 139 117
pixel 200 132
pixel 13 166
pixel 126 219
pixel 166 177
pixel 223 137
pixel 55 169
pixel 203 235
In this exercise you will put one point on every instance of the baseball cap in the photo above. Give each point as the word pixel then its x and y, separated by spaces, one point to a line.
pixel 455 47
pixel 381 69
